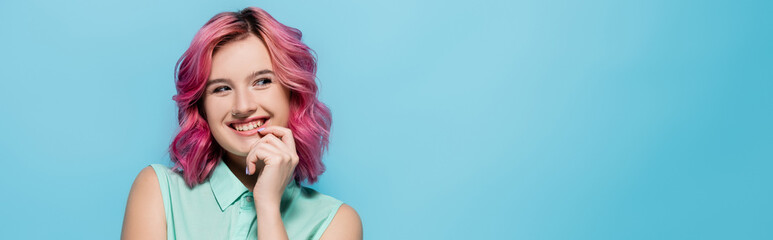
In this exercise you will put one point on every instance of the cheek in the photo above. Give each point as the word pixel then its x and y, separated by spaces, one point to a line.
pixel 280 108
pixel 282 98
pixel 211 106
pixel 213 112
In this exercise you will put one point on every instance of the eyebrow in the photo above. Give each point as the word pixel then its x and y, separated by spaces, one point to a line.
pixel 252 75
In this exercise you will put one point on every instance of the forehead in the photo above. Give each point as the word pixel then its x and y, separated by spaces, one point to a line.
pixel 238 59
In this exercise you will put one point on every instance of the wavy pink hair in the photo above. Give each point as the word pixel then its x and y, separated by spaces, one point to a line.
pixel 194 150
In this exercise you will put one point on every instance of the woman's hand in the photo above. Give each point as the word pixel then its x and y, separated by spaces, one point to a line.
pixel 276 149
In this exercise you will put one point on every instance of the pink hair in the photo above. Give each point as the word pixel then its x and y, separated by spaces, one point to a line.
pixel 194 151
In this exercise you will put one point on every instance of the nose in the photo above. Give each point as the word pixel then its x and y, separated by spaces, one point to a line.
pixel 244 104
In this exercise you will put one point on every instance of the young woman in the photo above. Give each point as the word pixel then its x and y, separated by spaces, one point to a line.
pixel 251 130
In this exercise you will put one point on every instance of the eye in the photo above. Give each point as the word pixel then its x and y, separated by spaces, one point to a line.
pixel 220 89
pixel 262 82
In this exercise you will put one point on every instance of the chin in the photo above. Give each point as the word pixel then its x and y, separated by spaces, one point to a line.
pixel 236 145
pixel 244 147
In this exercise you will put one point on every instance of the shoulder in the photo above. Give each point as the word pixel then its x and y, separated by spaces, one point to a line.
pixel 146 187
pixel 144 217
pixel 336 220
pixel 345 225
pixel 146 178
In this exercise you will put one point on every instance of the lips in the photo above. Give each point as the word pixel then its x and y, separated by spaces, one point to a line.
pixel 248 126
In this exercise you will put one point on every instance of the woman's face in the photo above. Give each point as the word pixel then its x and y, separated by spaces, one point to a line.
pixel 243 95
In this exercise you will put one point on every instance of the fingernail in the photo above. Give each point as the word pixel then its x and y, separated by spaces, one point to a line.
pixel 247 170
pixel 261 129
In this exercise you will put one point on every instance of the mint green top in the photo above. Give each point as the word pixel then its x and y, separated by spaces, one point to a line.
pixel 222 208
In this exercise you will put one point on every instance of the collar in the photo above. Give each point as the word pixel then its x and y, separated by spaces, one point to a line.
pixel 227 188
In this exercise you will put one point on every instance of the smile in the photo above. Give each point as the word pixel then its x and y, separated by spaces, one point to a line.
pixel 248 128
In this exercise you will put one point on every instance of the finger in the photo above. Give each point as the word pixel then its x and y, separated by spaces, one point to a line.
pixel 261 152
pixel 251 165
pixel 285 134
pixel 269 154
pixel 273 140
pixel 265 155
pixel 272 164
pixel 287 154
pixel 290 154
pixel 251 155
pixel 256 141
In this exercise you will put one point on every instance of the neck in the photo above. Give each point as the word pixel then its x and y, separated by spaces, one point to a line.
pixel 238 164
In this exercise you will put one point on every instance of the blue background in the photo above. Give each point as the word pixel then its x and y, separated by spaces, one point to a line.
pixel 451 119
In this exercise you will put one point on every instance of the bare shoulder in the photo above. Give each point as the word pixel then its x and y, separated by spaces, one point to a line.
pixel 345 225
pixel 144 217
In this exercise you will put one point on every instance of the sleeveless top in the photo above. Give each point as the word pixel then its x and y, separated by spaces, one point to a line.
pixel 222 207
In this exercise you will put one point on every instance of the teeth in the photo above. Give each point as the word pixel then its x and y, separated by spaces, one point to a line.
pixel 249 126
